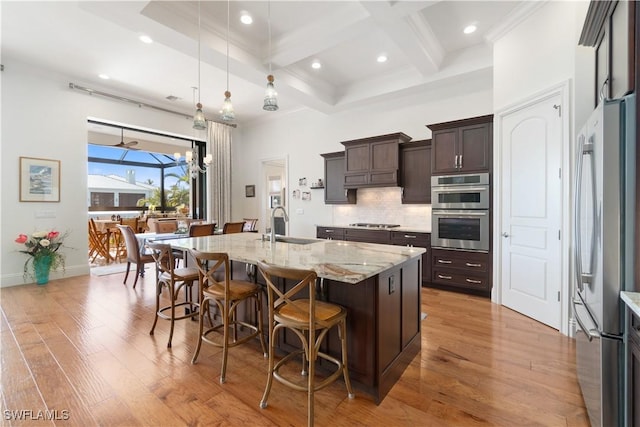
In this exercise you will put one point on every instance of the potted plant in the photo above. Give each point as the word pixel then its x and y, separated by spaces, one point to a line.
pixel 42 248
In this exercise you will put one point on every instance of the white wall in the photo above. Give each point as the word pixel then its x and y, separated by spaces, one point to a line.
pixel 42 117
pixel 540 53
pixel 304 135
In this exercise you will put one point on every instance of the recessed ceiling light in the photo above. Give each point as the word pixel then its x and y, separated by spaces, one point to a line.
pixel 470 29
pixel 145 39
pixel 382 58
pixel 245 18
pixel 103 76
pixel 316 65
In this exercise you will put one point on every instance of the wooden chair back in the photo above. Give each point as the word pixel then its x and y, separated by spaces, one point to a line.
pixel 196 230
pixel 165 226
pixel 232 227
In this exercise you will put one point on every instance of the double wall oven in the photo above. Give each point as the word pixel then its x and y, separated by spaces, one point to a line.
pixel 460 212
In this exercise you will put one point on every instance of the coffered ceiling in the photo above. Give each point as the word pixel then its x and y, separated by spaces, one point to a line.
pixel 423 41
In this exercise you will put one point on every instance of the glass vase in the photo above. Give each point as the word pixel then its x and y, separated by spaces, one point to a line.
pixel 42 266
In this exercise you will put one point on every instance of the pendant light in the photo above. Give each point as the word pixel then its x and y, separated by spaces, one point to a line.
pixel 199 122
pixel 227 108
pixel 270 95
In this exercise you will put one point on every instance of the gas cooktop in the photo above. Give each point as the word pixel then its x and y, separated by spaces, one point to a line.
pixel 373 225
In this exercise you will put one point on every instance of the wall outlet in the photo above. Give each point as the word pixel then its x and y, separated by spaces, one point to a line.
pixel 300 211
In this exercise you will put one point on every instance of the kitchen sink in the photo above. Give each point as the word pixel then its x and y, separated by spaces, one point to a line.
pixel 292 240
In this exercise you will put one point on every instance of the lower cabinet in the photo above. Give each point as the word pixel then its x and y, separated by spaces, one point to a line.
pixel 462 270
pixel 633 371
pixel 330 233
pixel 419 240
pixel 367 236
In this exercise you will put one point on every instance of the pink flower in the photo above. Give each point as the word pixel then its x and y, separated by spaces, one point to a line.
pixel 22 238
pixel 53 235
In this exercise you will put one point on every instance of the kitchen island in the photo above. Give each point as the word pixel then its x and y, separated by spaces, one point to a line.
pixel 379 285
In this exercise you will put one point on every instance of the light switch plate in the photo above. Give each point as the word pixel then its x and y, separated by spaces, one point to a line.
pixel 300 211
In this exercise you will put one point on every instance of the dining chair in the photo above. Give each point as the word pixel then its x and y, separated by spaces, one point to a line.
pixel 217 287
pixel 165 226
pixel 197 230
pixel 297 310
pixel 232 227
pixel 175 279
pixel 134 254
pixel 98 242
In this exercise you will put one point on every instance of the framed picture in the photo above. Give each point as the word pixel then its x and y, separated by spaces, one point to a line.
pixel 250 191
pixel 39 180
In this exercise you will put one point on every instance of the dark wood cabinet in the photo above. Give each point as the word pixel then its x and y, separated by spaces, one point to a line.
pixel 609 27
pixel 633 370
pixel 462 270
pixel 367 236
pixel 331 233
pixel 462 146
pixel 334 191
pixel 415 171
pixel 419 240
pixel 373 162
pixel 390 305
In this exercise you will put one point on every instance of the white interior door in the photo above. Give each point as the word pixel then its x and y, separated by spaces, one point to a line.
pixel 531 210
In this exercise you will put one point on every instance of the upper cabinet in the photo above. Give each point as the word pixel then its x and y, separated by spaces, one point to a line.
pixel 415 171
pixel 462 146
pixel 334 191
pixel 373 162
pixel 609 27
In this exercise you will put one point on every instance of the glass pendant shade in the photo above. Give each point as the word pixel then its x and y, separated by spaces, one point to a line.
pixel 199 121
pixel 227 108
pixel 270 96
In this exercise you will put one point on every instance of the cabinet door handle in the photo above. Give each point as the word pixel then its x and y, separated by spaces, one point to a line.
pixel 328 231
pixel 473 264
pixel 475 282
pixel 455 162
pixel 444 261
pixel 460 162
pixel 440 276
pixel 409 236
pixel 345 192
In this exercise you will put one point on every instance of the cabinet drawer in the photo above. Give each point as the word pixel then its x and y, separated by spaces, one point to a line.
pixel 367 236
pixel 469 261
pixel 458 278
pixel 421 240
pixel 330 233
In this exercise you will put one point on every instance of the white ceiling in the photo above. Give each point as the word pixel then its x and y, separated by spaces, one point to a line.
pixel 423 40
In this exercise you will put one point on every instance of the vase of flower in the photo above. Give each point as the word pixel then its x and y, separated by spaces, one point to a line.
pixel 42 267
pixel 44 255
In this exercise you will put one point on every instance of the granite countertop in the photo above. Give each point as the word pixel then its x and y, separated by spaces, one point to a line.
pixel 349 262
pixel 425 229
pixel 632 299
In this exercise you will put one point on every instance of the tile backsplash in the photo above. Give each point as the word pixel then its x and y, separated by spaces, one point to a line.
pixel 382 205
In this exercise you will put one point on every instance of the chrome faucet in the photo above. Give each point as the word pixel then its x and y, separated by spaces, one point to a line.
pixel 273 221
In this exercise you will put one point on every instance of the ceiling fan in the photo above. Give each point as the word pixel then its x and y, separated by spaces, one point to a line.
pixel 127 145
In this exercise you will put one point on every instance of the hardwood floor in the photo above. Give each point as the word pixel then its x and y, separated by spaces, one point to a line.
pixel 80 348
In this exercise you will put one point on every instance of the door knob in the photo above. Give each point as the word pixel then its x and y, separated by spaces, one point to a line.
pixel 505 234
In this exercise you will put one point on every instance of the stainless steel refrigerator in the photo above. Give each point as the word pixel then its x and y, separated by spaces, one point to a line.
pixel 603 254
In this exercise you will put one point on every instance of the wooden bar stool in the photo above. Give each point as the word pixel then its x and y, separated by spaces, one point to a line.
pixel 174 279
pixel 217 287
pixel 310 320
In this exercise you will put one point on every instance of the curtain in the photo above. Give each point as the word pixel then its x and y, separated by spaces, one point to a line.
pixel 219 200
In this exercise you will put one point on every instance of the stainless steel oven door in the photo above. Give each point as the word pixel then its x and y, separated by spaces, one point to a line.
pixel 460 229
pixel 460 197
